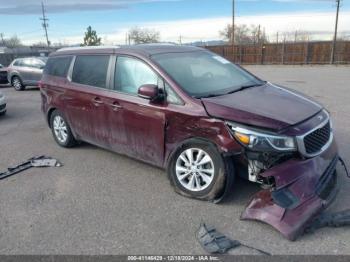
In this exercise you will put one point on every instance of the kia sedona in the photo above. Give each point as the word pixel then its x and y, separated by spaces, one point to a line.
pixel 203 119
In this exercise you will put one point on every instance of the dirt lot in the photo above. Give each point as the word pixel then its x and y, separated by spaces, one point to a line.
pixel 104 203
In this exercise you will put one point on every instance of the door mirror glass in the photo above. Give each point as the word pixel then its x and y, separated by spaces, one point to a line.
pixel 148 92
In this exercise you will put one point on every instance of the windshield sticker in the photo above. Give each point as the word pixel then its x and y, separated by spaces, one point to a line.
pixel 221 59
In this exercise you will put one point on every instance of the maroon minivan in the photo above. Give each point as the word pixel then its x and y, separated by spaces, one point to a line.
pixel 202 118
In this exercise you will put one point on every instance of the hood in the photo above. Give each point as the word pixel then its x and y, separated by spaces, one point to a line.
pixel 268 106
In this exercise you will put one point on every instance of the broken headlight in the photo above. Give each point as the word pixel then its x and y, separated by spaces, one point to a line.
pixel 260 141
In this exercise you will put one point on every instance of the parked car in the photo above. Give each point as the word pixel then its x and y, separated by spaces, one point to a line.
pixel 24 72
pixel 203 119
pixel 2 104
pixel 3 75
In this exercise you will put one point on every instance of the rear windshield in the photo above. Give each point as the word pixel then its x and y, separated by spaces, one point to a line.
pixel 58 66
pixel 203 73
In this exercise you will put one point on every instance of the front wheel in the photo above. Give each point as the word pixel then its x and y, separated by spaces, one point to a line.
pixel 17 84
pixel 198 170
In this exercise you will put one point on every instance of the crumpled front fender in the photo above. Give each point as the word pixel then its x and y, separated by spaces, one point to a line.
pixel 303 189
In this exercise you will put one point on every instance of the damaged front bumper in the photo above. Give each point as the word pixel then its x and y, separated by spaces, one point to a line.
pixel 303 188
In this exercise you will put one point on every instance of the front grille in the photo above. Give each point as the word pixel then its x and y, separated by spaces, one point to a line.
pixel 315 141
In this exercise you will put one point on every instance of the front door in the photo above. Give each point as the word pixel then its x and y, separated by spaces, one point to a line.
pixel 136 123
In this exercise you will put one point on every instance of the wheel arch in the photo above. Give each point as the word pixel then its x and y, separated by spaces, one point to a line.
pixel 12 75
pixel 49 114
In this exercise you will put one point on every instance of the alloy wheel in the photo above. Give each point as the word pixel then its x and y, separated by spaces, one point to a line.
pixel 195 169
pixel 60 129
pixel 17 83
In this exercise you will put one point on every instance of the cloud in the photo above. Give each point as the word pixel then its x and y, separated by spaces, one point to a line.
pixel 320 24
pixel 30 7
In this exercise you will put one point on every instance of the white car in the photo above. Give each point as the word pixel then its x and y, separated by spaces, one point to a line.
pixel 2 104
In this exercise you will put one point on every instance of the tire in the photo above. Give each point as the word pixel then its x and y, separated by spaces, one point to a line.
pixel 17 83
pixel 208 185
pixel 3 113
pixel 61 131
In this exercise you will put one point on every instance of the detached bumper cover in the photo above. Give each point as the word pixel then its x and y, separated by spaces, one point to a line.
pixel 303 189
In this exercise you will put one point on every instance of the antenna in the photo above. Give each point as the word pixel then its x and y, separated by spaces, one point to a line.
pixel 45 23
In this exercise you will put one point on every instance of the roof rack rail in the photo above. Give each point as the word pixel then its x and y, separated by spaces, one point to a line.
pixel 157 44
pixel 86 48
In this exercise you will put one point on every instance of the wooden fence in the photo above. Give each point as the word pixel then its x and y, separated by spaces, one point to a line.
pixel 285 53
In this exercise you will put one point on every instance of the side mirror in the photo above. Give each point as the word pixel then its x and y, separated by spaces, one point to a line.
pixel 148 92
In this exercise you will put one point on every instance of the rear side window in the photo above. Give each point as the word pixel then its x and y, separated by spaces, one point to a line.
pixel 58 66
pixel 91 70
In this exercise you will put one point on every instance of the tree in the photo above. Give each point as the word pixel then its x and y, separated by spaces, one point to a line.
pixel 144 35
pixel 12 42
pixel 244 34
pixel 91 38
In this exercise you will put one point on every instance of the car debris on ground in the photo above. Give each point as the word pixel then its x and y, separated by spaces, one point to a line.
pixel 39 161
pixel 216 243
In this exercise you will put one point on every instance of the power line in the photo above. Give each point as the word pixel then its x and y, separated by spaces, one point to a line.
pixel 45 23
pixel 335 32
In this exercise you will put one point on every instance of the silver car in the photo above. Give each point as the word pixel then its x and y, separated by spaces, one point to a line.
pixel 2 104
pixel 24 72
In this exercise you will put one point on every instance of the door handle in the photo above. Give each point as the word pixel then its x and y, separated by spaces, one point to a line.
pixel 116 106
pixel 97 101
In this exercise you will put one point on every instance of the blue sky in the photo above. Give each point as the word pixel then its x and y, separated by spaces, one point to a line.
pixel 69 18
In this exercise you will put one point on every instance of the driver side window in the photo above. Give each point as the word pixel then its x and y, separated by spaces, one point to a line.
pixel 131 73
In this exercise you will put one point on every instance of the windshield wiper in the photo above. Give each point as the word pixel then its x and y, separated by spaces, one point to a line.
pixel 246 87
pixel 207 96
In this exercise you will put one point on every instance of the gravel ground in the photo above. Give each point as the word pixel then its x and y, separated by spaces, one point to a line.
pixel 104 203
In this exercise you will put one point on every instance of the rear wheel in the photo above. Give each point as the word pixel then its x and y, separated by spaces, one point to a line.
pixel 61 130
pixel 198 170
pixel 16 82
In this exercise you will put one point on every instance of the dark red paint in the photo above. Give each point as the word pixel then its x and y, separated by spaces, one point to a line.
pixel 151 131
pixel 148 91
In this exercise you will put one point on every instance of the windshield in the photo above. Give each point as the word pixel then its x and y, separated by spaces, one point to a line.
pixel 204 74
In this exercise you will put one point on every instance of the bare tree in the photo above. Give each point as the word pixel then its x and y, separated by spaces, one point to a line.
pixel 12 42
pixel 144 35
pixel 244 34
pixel 296 36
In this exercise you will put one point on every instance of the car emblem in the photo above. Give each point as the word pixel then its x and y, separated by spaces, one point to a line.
pixel 320 117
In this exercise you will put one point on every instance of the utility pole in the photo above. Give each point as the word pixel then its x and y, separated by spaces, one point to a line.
pixel 233 23
pixel 45 23
pixel 2 39
pixel 180 39
pixel 277 37
pixel 335 33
